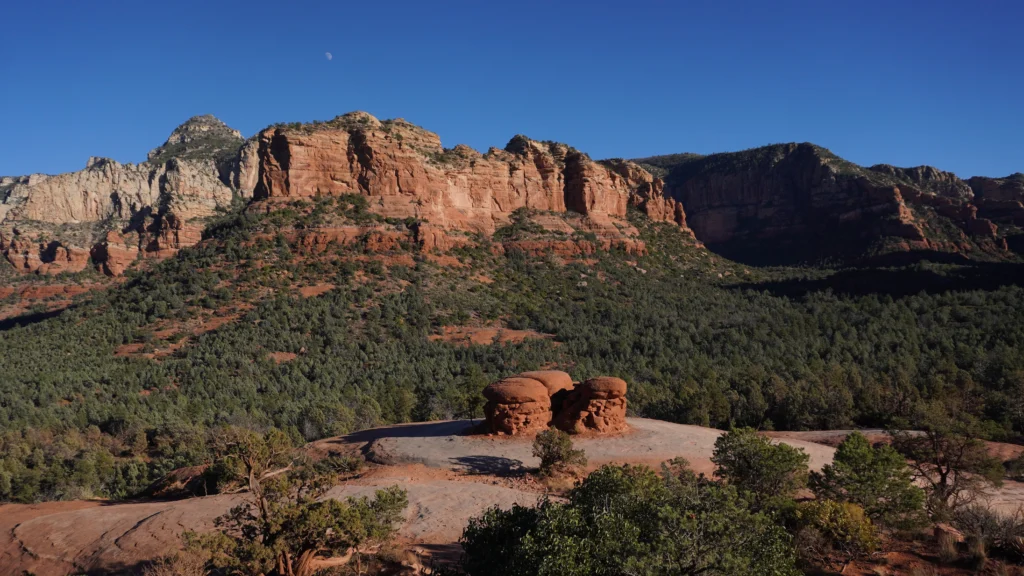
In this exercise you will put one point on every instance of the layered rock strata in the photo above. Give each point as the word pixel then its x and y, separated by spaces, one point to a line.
pixel 51 224
pixel 799 202
pixel 406 173
pixel 517 406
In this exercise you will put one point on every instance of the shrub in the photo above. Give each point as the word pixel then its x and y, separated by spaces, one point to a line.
pixel 990 528
pixel 1015 468
pixel 769 473
pixel 876 479
pixel 842 527
pixel 188 563
pixel 554 448
pixel 629 520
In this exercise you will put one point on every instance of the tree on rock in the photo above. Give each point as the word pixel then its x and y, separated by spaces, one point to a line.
pixel 948 455
pixel 876 479
pixel 286 526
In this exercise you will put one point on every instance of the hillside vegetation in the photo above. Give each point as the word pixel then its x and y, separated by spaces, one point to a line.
pixel 250 328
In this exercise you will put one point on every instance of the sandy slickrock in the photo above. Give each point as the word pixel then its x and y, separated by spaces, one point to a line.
pixel 599 404
pixel 517 406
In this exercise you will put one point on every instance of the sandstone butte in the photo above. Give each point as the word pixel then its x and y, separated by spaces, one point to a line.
pixel 157 207
pixel 407 173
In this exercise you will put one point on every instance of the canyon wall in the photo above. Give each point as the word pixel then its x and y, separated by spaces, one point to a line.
pixel 792 203
pixel 113 213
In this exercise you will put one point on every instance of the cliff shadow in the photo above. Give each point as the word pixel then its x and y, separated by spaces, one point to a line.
pixel 900 281
pixel 28 319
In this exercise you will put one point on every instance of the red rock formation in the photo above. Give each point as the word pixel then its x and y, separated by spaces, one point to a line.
pixel 553 380
pixel 798 202
pixel 406 172
pixel 517 406
pixel 34 256
pixel 1000 199
pixel 559 385
pixel 598 405
pixel 115 253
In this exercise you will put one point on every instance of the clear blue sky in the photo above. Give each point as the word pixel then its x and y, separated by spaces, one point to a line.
pixel 905 82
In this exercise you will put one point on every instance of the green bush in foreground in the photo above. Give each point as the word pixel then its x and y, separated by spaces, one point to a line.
pixel 876 479
pixel 554 448
pixel 765 472
pixel 827 527
pixel 630 520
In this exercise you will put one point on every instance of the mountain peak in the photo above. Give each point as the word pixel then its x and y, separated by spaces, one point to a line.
pixel 199 136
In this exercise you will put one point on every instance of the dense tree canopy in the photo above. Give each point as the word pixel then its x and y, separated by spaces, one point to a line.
pixel 700 340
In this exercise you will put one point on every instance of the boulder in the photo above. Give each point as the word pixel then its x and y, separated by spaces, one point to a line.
pixel 554 380
pixel 597 405
pixel 558 383
pixel 517 406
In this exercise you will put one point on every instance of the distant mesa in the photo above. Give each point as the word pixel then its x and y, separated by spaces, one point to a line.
pixel 534 401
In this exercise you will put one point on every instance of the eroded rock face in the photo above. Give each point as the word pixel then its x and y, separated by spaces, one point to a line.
pixel 406 172
pixel 162 202
pixel 792 203
pixel 598 405
pixel 1000 199
pixel 517 405
pixel 929 180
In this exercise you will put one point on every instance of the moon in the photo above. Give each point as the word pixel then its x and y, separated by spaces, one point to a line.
pixel 329 55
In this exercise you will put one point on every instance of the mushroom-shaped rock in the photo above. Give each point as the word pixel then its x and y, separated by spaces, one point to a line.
pixel 599 405
pixel 553 380
pixel 606 387
pixel 517 406
pixel 558 383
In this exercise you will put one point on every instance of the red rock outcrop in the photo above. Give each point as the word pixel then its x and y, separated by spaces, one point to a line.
pixel 405 172
pixel 42 257
pixel 532 401
pixel 598 405
pixel 1000 199
pixel 559 385
pixel 791 203
pixel 115 253
pixel 553 380
pixel 517 406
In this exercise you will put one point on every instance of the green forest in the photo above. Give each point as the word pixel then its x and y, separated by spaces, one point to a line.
pixel 700 340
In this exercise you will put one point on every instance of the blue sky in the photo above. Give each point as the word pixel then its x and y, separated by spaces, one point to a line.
pixel 904 82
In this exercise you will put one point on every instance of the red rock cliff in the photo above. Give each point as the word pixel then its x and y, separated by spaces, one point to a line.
pixel 406 172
